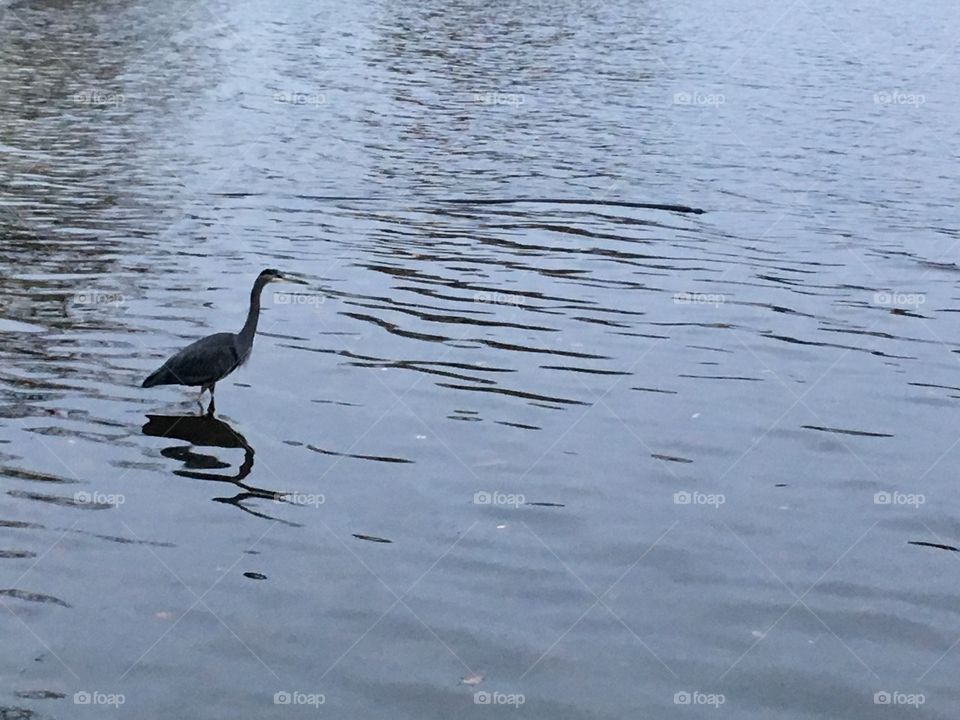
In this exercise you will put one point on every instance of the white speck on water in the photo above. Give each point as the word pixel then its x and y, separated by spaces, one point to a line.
pixel 472 679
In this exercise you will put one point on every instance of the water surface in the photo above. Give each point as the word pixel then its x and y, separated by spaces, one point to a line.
pixel 606 460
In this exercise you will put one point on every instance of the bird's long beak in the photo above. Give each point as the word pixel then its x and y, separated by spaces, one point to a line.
pixel 287 277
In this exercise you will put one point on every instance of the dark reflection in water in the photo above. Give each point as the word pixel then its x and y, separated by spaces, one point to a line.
pixel 202 431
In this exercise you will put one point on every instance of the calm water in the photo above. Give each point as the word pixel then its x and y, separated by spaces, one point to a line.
pixel 590 459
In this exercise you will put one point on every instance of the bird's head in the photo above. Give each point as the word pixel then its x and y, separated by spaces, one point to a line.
pixel 272 275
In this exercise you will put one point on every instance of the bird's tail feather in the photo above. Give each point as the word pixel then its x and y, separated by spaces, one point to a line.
pixel 157 377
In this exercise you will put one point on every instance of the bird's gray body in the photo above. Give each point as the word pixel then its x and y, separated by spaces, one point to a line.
pixel 202 363
pixel 210 359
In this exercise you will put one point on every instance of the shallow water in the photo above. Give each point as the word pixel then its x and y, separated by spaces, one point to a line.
pixel 597 459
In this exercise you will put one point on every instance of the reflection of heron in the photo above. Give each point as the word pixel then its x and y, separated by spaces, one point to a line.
pixel 208 431
pixel 212 358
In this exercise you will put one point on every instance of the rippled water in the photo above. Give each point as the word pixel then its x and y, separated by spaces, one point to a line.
pixel 598 459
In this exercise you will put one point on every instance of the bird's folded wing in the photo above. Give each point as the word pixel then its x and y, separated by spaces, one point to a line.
pixel 205 361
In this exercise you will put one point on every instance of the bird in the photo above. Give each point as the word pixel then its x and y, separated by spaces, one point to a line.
pixel 210 359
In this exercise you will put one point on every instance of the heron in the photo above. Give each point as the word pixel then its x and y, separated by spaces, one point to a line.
pixel 210 359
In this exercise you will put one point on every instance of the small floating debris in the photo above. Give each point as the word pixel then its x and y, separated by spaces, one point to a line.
pixel 545 504
pixel 938 546
pixel 255 576
pixel 842 431
pixel 372 538
pixel 472 679
pixel 780 485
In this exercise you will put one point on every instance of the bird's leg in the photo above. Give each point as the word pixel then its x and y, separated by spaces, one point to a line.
pixel 213 407
pixel 203 389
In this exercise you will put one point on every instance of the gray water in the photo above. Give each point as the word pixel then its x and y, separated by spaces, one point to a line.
pixel 629 462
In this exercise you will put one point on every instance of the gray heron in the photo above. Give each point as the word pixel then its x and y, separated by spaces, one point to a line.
pixel 210 359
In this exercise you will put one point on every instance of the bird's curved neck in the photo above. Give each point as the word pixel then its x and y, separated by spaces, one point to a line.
pixel 250 326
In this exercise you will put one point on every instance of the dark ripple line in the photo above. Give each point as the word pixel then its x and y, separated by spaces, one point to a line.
pixel 938 546
pixel 573 201
pixel 377 458
pixel 590 371
pixel 842 431
pixel 33 597
pixel 514 393
pixel 495 201
pixel 59 500
pixel 371 538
